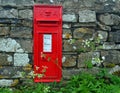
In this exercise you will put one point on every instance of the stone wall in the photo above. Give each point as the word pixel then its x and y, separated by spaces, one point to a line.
pixel 91 37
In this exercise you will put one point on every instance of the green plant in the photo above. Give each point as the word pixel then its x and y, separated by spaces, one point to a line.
pixel 5 90
pixel 89 83
pixel 88 64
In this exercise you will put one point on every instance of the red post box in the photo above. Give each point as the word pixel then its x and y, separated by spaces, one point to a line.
pixel 47 43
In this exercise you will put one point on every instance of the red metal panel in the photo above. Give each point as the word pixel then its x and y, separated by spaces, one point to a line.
pixel 47 43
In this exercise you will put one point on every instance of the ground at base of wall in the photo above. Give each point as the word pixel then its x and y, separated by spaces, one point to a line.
pixel 102 82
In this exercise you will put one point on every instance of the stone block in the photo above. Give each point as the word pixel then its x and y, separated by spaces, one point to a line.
pixel 8 13
pixel 68 73
pixel 79 25
pixel 66 25
pixel 4 30
pixel 69 60
pixel 10 72
pixel 26 23
pixel 103 35
pixel 111 57
pixel 83 58
pixel 109 19
pixel 83 33
pixel 24 2
pixel 15 72
pixel 27 13
pixel 16 2
pixel 6 59
pixel 86 16
pixel 8 2
pixel 9 45
pixel 103 27
pixel 69 18
pixel 115 36
pixel 5 82
pixel 67 33
pixel 67 46
pixel 21 32
pixel 89 58
pixel 109 45
pixel 26 45
pixel 21 59
pixel 78 4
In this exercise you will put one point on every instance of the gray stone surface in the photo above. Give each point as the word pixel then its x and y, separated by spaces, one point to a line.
pixel 110 46
pixel 8 2
pixel 103 27
pixel 77 25
pixel 16 2
pixel 83 58
pixel 109 19
pixel 69 18
pixel 87 16
pixel 27 13
pixel 6 59
pixel 21 59
pixel 115 36
pixel 21 32
pixel 8 13
pixel 26 22
pixel 26 44
pixel 68 73
pixel 69 60
pixel 14 72
pixel 67 33
pixel 66 25
pixel 9 45
pixel 103 35
pixel 4 30
pixel 5 82
pixel 67 46
pixel 111 56
pixel 83 33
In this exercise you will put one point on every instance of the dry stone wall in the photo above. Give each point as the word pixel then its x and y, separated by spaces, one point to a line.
pixel 91 37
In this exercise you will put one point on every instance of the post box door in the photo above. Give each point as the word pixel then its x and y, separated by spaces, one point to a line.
pixel 48 55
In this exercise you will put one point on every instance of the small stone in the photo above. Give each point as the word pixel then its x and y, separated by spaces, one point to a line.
pixel 115 36
pixel 24 2
pixel 8 2
pixel 69 18
pixel 66 25
pixel 21 59
pixel 83 58
pixel 26 13
pixel 10 13
pixel 67 46
pixel 111 56
pixel 109 19
pixel 21 32
pixel 70 61
pixel 5 82
pixel 26 45
pixel 5 59
pixel 67 33
pixel 104 27
pixel 83 33
pixel 103 35
pixel 4 30
pixel 9 45
pixel 87 16
pixel 109 45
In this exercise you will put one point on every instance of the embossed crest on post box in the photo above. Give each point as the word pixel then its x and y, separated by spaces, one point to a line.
pixel 47 43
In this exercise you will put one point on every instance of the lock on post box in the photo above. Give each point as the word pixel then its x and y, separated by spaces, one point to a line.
pixel 47 43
